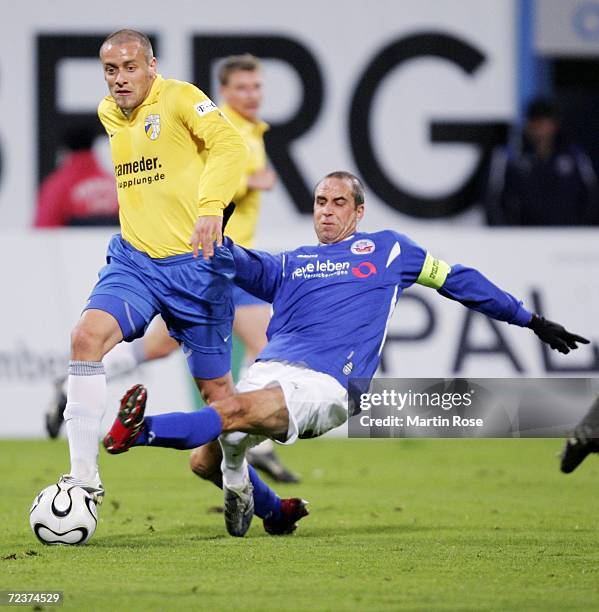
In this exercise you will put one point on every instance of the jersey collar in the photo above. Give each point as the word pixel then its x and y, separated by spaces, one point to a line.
pixel 154 91
pixel 334 243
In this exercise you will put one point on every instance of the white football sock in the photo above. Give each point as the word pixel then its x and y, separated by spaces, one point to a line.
pixel 234 466
pixel 86 403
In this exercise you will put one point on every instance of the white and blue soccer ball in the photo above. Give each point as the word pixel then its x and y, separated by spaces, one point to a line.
pixel 63 514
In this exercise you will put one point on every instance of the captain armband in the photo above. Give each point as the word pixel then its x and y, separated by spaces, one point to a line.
pixel 434 272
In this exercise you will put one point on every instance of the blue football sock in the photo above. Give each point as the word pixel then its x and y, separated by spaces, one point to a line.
pixel 267 503
pixel 181 429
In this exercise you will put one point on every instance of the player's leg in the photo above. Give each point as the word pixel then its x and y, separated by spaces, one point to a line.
pixel 257 412
pixel 584 440
pixel 244 491
pixel 95 334
pixel 120 307
pixel 207 462
pixel 251 320
pixel 279 516
pixel 239 493
pixel 290 402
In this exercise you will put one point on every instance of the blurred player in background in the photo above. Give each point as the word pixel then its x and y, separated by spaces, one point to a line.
pixel 331 305
pixel 178 162
pixel 241 90
pixel 79 191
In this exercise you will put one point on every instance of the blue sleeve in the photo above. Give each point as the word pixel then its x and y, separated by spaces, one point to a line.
pixel 413 260
pixel 405 259
pixel 469 287
pixel 257 272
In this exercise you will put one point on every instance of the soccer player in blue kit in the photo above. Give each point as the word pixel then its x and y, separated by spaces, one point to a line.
pixel 331 305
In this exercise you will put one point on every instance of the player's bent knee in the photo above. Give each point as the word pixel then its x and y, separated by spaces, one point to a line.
pixel 86 344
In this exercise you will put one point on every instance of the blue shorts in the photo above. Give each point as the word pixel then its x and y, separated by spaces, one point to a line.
pixel 242 298
pixel 193 296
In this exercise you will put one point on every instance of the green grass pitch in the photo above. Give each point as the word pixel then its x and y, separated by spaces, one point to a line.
pixel 394 525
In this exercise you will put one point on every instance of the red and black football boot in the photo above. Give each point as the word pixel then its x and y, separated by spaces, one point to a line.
pixel 292 510
pixel 129 421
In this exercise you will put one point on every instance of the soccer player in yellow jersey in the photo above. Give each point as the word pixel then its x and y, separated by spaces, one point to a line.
pixel 178 162
pixel 240 79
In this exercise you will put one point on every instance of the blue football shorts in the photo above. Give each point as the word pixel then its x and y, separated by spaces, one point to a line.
pixel 194 297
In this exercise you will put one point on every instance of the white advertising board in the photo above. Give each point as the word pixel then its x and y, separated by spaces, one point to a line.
pixel 48 275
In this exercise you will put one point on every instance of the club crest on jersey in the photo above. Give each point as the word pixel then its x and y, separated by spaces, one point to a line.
pixel 152 126
pixel 363 246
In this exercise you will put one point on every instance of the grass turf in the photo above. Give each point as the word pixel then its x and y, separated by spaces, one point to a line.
pixel 395 525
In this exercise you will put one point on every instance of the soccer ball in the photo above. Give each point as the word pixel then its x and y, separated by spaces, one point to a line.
pixel 63 514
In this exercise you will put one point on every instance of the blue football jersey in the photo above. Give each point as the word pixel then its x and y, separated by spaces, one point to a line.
pixel 332 303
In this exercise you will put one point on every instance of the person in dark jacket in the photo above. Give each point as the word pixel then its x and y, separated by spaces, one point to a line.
pixel 541 178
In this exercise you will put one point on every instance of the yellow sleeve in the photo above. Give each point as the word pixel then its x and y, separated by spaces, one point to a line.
pixel 226 150
pixel 242 189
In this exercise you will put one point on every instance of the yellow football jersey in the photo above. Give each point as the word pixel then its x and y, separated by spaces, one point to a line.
pixel 242 225
pixel 175 158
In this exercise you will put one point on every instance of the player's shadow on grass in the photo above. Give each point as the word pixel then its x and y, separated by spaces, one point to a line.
pixel 142 538
pixel 328 531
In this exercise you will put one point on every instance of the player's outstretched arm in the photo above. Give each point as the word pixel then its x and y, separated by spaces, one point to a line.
pixel 472 289
pixel 555 335
pixel 469 287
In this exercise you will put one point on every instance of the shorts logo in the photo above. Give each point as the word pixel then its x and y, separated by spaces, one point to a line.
pixel 363 247
pixel 152 126
pixel 364 269
pixel 347 368
pixel 203 108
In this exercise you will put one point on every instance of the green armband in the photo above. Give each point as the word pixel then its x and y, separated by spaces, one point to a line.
pixel 434 272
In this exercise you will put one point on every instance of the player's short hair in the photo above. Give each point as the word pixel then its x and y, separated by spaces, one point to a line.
pixel 234 63
pixel 358 192
pixel 127 35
